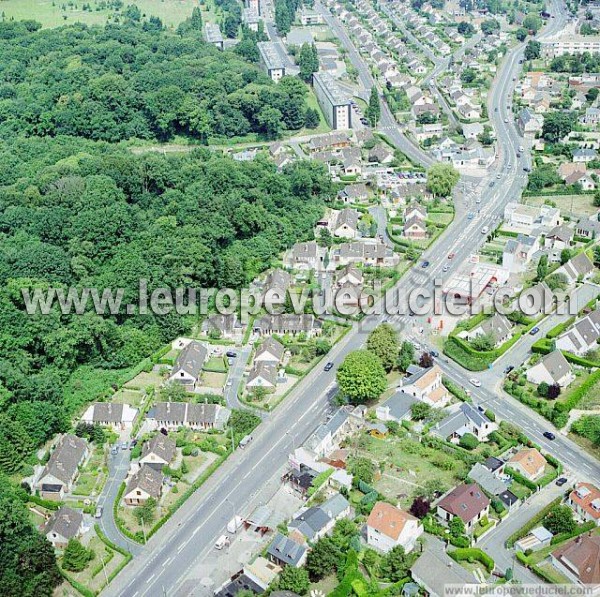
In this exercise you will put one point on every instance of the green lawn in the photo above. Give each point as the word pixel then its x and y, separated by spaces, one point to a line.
pixel 311 102
pixel 577 204
pixel 51 14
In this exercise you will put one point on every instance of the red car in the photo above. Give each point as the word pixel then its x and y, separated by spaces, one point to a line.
pixel 451 256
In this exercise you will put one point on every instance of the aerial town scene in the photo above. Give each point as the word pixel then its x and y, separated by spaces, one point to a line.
pixel 299 298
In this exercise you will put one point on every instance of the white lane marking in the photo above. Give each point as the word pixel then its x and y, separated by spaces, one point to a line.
pixel 150 578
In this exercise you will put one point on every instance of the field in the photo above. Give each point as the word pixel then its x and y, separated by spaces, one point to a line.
pixel 51 13
pixel 580 205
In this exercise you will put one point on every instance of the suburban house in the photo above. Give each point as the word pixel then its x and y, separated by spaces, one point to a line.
pixel 427 386
pixel 188 365
pixel 60 472
pixel 108 414
pixel 367 253
pixel 468 502
pixel 276 285
pixel 579 559
pixel 529 122
pixel 327 437
pixel 354 193
pixel 559 238
pixel 269 351
pixel 303 257
pixel 578 268
pixel 315 522
pixel 587 229
pixel 529 463
pixel 382 154
pixel 333 140
pixel 537 300
pixel 224 326
pixel 527 217
pixel 486 479
pixel 158 452
pixel 388 526
pixel 262 375
pixel 345 223
pixel 414 228
pixel 349 274
pixel 518 252
pixel 396 408
pixel 552 368
pixel 582 336
pixel 288 323
pixel 64 524
pixel 498 326
pixel 584 155
pixel 170 416
pixel 284 551
pixel 146 483
pixel 585 501
pixel 467 419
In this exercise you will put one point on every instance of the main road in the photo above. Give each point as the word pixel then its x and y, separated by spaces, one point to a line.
pixel 189 535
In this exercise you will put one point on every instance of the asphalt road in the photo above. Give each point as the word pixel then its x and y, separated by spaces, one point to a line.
pixel 190 534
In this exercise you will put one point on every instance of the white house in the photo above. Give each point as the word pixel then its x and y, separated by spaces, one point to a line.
pixel 388 526
pixel 552 368
pixel 582 336
pixel 107 414
pixel 188 365
pixel 427 386
pixel 529 463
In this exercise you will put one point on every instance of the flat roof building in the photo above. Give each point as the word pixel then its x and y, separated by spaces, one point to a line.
pixel 213 35
pixel 571 44
pixel 334 102
pixel 271 60
pixel 250 18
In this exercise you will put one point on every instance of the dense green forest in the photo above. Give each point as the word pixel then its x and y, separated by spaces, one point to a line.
pixel 133 80
pixel 79 209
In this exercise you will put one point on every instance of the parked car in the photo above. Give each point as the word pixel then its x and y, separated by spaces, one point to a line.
pixel 245 441
pixel 509 369
pixel 425 264
pixel 114 450
pixel 533 331
pixel 475 382
pixel 470 215
pixel 328 366
pixel 434 354
pixel 485 230
pixel 549 435
pixel 98 512
pixel 222 541
pixel 561 481
pixel 231 354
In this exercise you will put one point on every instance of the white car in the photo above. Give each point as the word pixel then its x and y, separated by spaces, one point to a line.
pixel 475 382
pixel 485 230
pixel 445 268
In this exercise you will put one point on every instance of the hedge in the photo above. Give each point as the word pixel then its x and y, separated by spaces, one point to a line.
pixel 48 504
pixel 77 585
pixel 456 390
pixel 557 330
pixel 578 530
pixel 533 522
pixel 519 478
pixel 473 554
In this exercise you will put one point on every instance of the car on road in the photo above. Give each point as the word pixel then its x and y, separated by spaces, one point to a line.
pixel 364 121
pixel 114 450
pixel 98 512
pixel 417 345
pixel 450 255
pixel 328 366
pixel 478 200
pixel 470 215
pixel 509 369
pixel 231 354
pixel 446 268
pixel 434 354
pixel 498 176
pixel 518 155
pixel 526 169
pixel 496 109
pixel 534 331
pixel 425 264
pixel 222 541
pixel 521 148
pixel 549 435
pixel 506 121
pixel 485 230
pixel 492 183
pixel 124 446
pixel 561 481
pixel 475 382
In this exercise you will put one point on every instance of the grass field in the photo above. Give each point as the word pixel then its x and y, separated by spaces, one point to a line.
pixel 580 205
pixel 51 13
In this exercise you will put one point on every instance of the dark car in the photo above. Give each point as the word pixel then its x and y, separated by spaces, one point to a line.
pixel 231 354
pixel 509 369
pixel 526 169
pixel 425 264
pixel 329 366
pixel 549 435
pixel 534 331
pixel 560 482
pixel 434 354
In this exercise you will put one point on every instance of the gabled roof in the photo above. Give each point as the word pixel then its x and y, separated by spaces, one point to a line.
pixel 286 550
pixel 191 359
pixel 147 480
pixel 65 522
pixel 556 364
pixel 162 446
pixel 582 556
pixel 65 458
pixel 486 479
pixel 465 415
pixel 107 412
pixel 399 404
pixel 465 501
pixel 264 370
pixel 388 520
pixel 587 497
pixel 271 346
pixel 530 459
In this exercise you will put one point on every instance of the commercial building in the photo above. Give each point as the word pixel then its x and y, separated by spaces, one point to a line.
pixel 250 18
pixel 271 60
pixel 333 101
pixel 213 35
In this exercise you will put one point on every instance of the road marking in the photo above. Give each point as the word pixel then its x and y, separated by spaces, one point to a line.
pixel 166 562
pixel 150 579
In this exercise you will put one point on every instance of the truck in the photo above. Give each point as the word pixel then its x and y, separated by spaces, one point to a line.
pixel 234 524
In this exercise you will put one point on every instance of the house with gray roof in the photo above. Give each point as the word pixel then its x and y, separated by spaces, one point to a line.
pixel 270 351
pixel 316 521
pixel 284 551
pixel 288 323
pixel 486 479
pixel 61 470
pixel 467 419
pixel 578 268
pixel 589 229
pixel 159 451
pixel 345 223
pixel 63 525
pixel 188 365
pixel 224 326
pixel 396 408
pixel 354 193
pixel 582 336
pixel 303 257
pixel 276 285
pixel 109 414
pixel 497 326
pixel 327 436
pixel 146 483
pixel 170 416
pixel 552 368
pixel 262 375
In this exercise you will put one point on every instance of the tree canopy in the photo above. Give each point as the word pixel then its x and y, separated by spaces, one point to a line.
pixel 361 376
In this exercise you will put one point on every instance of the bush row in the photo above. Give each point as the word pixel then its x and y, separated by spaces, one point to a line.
pixel 473 554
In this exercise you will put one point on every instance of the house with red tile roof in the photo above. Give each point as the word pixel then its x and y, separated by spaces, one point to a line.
pixel 468 502
pixel 388 526
pixel 585 501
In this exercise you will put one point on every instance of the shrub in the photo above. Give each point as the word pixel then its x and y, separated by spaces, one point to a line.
pixel 473 554
pixel 468 441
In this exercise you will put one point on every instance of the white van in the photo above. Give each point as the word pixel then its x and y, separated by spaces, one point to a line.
pixel 222 541
pixel 245 441
pixel 234 524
